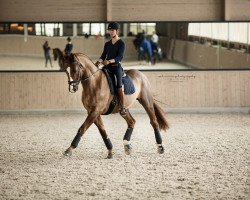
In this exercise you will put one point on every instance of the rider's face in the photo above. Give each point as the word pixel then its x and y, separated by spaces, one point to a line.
pixel 112 32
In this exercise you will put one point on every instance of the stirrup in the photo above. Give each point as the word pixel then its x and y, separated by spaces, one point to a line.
pixel 123 111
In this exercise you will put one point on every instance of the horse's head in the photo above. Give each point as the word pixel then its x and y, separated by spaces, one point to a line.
pixel 74 69
pixel 58 55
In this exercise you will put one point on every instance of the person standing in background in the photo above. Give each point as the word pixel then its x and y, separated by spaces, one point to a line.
pixel 156 49
pixel 46 50
pixel 155 38
pixel 146 50
pixel 155 41
pixel 68 47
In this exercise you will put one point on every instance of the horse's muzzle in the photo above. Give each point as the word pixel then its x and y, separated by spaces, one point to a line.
pixel 74 85
pixel 75 88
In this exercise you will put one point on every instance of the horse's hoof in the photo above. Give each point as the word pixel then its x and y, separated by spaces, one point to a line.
pixel 110 156
pixel 67 153
pixel 160 149
pixel 128 149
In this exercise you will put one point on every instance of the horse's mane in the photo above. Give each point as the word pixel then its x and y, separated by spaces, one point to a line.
pixel 77 55
pixel 82 54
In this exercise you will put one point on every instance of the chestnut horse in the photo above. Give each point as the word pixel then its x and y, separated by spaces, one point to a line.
pixel 96 98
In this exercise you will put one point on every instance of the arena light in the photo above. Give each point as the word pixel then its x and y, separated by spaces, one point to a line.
pixel 14 25
pixel 20 28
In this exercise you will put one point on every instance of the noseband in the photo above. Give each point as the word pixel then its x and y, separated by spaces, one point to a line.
pixel 75 83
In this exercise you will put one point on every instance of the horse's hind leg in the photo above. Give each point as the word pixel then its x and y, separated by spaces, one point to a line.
pixel 98 122
pixel 148 104
pixel 126 139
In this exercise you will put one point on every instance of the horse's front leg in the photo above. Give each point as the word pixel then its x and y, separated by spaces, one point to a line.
pixel 107 141
pixel 92 116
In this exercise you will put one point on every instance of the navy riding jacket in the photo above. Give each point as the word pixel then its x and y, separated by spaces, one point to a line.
pixel 113 51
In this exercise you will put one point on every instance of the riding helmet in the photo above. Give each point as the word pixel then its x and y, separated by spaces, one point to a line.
pixel 113 25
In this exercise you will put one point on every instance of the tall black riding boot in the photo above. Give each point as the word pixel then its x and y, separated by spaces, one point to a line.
pixel 121 98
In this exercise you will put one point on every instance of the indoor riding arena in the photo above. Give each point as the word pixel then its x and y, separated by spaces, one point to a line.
pixel 187 136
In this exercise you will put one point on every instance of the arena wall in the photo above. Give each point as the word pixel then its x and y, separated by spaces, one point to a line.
pixel 177 89
pixel 202 56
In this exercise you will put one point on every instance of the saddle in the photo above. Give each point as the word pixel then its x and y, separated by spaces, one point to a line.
pixel 127 82
pixel 128 85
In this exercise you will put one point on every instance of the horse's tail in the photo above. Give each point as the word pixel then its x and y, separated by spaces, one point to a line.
pixel 161 117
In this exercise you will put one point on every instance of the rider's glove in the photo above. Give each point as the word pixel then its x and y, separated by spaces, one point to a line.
pixel 105 62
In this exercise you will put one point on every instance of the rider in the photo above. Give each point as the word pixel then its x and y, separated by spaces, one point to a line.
pixel 69 46
pixel 112 56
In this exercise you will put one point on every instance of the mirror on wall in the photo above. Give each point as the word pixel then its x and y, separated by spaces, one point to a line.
pixel 170 45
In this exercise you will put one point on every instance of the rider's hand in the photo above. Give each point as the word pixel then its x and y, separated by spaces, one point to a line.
pixel 105 62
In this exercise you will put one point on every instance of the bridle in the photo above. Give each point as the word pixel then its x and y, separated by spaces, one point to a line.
pixel 75 83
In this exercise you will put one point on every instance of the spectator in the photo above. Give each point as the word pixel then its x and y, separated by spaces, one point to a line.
pixel 155 42
pixel 98 35
pixel 46 50
pixel 130 34
pixel 86 35
pixel 155 38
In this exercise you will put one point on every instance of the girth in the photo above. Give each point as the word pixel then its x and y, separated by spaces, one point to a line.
pixel 112 105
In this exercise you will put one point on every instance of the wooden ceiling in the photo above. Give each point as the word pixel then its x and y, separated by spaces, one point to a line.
pixel 121 10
